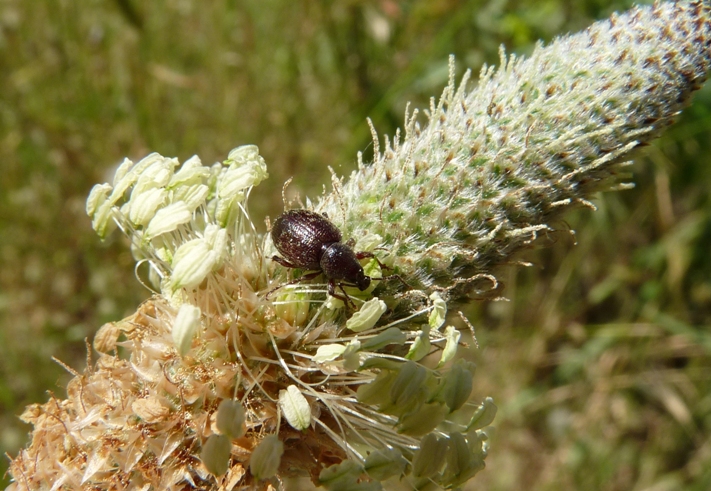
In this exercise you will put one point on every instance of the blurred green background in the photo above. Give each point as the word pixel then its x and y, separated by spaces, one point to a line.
pixel 601 360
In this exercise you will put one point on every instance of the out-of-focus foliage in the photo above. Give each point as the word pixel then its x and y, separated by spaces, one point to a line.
pixel 600 363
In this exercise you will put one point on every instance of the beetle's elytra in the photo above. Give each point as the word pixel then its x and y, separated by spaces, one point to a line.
pixel 308 240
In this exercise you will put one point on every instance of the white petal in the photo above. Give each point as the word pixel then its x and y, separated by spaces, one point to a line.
pixel 192 263
pixel 191 172
pixel 421 347
pixel 439 311
pixel 248 156
pixel 145 163
pixel 157 175
pixel 295 408
pixel 227 210
pixel 246 168
pixel 392 335
pixel 234 181
pixel 185 326
pixel 131 175
pixel 122 170
pixel 168 219
pixel 450 348
pixel 328 352
pixel 193 195
pixel 98 195
pixel 143 207
pixel 103 222
pixel 368 315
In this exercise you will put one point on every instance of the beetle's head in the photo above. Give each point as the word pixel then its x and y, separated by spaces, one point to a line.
pixel 362 280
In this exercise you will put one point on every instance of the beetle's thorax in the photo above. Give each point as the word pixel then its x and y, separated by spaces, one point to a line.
pixel 339 262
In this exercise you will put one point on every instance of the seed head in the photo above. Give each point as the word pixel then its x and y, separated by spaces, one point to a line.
pixel 217 387
pixel 494 167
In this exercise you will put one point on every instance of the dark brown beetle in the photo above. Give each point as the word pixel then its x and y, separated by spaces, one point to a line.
pixel 309 241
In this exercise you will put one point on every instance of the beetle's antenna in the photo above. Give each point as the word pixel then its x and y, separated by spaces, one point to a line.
pixel 283 191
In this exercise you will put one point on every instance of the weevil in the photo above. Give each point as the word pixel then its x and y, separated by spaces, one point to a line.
pixel 310 241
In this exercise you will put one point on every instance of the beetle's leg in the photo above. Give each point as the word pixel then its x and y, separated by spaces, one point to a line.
pixel 306 277
pixel 363 255
pixel 283 262
pixel 346 299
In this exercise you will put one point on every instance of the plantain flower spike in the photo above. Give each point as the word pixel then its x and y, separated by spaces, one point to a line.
pixel 217 387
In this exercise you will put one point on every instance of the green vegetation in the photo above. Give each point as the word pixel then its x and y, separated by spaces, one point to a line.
pixel 601 361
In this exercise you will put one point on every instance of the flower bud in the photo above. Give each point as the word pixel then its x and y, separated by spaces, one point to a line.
pixel 484 415
pixel 215 454
pixel 266 458
pixel 382 464
pixel 230 418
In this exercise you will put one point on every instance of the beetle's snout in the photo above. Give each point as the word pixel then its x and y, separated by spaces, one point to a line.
pixel 363 281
